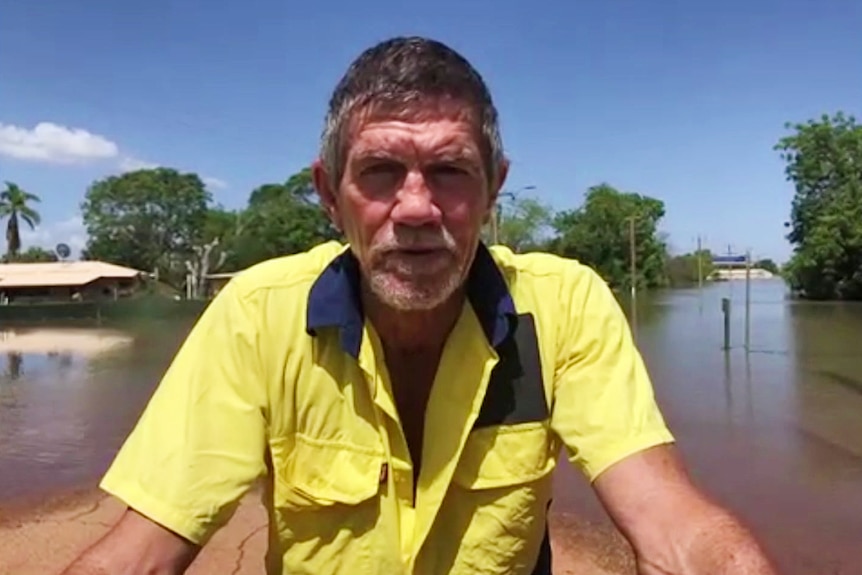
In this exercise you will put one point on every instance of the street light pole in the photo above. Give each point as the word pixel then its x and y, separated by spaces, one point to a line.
pixel 497 212
pixel 495 225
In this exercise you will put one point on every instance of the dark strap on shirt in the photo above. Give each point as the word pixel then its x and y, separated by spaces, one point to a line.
pixel 543 564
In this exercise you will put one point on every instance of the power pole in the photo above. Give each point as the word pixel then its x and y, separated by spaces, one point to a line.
pixel 699 264
pixel 495 226
pixel 699 274
pixel 748 301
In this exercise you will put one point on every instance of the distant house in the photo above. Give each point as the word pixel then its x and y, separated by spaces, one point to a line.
pixel 66 281
pixel 739 274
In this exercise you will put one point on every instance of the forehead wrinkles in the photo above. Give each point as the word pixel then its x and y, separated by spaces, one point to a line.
pixel 397 140
pixel 414 120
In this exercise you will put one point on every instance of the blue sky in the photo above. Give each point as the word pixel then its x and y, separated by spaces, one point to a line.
pixel 679 100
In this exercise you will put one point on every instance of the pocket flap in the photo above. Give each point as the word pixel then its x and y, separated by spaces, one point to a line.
pixel 506 455
pixel 326 472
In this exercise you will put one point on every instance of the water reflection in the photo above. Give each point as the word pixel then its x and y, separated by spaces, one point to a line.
pixel 58 340
pixel 68 396
pixel 828 352
pixel 14 361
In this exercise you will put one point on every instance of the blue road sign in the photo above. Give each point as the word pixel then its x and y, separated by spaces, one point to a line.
pixel 719 260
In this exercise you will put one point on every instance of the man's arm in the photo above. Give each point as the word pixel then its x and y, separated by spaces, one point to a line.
pixel 606 413
pixel 673 527
pixel 196 450
pixel 136 545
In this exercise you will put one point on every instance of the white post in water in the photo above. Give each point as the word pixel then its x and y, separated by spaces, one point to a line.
pixel 748 301
pixel 732 262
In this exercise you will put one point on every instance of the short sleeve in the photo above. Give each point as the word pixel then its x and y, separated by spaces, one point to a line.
pixel 604 407
pixel 200 443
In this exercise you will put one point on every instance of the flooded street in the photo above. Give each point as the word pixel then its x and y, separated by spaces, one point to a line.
pixel 775 434
pixel 68 397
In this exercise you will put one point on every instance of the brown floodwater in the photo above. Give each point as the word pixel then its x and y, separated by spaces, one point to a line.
pixel 774 434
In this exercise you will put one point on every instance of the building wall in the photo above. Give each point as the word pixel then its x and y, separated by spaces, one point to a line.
pixel 100 290
pixel 739 274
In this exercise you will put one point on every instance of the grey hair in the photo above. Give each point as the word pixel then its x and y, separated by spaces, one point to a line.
pixel 396 75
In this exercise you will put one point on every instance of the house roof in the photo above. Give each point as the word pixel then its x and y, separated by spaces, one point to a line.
pixel 60 273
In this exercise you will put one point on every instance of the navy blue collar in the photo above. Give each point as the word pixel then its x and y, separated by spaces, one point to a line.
pixel 334 300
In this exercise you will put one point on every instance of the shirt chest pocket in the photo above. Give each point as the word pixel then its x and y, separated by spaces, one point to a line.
pixel 499 498
pixel 313 474
pixel 506 456
pixel 327 505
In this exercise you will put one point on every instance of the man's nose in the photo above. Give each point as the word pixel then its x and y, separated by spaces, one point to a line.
pixel 415 204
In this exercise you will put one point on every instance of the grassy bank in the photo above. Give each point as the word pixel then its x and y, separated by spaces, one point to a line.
pixel 140 307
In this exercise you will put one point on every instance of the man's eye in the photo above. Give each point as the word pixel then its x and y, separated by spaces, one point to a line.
pixel 381 168
pixel 448 170
pixel 381 177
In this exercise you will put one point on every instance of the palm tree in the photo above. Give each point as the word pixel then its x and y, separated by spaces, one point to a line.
pixel 14 206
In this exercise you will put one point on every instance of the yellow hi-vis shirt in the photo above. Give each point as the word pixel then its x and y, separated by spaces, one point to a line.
pixel 282 378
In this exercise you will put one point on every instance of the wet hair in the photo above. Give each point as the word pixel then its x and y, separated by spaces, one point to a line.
pixel 398 78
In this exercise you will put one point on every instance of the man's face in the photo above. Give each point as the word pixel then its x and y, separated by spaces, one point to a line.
pixel 412 203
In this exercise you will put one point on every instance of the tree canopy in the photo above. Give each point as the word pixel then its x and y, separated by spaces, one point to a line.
pixel 599 234
pixel 147 219
pixel 165 221
pixel 688 269
pixel 33 254
pixel 160 220
pixel 521 223
pixel 769 265
pixel 824 163
pixel 279 219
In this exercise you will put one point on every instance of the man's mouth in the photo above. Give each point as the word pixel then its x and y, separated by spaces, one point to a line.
pixel 421 250
pixel 423 256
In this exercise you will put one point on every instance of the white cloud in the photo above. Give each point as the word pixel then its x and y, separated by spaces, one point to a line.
pixel 215 183
pixel 53 143
pixel 70 231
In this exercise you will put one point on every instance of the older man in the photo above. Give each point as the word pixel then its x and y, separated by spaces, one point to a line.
pixel 406 397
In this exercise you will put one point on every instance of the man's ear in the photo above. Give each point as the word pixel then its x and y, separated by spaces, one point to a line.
pixel 327 194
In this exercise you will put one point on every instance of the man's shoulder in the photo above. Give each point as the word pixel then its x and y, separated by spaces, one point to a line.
pixel 289 273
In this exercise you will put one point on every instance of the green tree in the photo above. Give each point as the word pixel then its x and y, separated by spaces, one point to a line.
pixel 768 265
pixel 37 254
pixel 147 219
pixel 33 254
pixel 521 223
pixel 598 234
pixel 280 219
pixel 15 207
pixel 216 246
pixel 225 226
pixel 824 163
pixel 687 269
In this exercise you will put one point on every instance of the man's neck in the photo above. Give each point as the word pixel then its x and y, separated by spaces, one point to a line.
pixel 413 331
